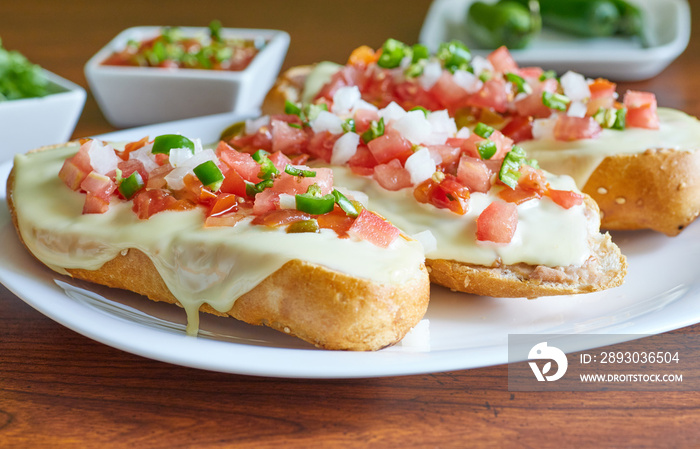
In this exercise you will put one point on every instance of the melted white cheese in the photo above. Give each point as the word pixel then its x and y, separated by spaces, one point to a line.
pixel 580 158
pixel 547 234
pixel 199 265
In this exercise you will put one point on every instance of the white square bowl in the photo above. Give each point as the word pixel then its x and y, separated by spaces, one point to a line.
pixel 133 96
pixel 29 123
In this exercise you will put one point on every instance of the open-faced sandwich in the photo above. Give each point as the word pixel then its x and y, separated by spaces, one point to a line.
pixel 491 221
pixel 637 161
pixel 260 237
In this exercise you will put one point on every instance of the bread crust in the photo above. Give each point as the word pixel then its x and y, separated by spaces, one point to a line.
pixel 658 189
pixel 326 308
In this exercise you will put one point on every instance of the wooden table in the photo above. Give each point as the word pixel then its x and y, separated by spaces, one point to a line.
pixel 58 388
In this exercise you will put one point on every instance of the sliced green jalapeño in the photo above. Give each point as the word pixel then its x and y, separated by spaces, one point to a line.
pixel 163 144
pixel 210 175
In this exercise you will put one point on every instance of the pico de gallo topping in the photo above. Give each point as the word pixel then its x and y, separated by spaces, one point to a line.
pixel 521 102
pixel 173 172
pixel 173 49
pixel 415 149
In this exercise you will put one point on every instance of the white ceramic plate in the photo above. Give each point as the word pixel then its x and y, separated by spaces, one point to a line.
pixel 661 293
pixel 617 58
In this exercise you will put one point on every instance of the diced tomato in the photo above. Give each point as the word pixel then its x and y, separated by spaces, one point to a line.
pixel 349 75
pixel 373 228
pixel 195 192
pixel 531 105
pixel 392 176
pixel 532 179
pixel 293 185
pixel 531 73
pixel 132 165
pixel 641 109
pixel 266 201
pixel 225 203
pixel 150 202
pixel 502 61
pixel 230 219
pixel 446 194
pixel 337 220
pixel 261 140
pixel 492 94
pixel 279 160
pixel 449 154
pixel 95 204
pixel 503 144
pixel 565 198
pixel 280 217
pixel 288 139
pixel 497 223
pixel 131 146
pixel 321 145
pixel 569 128
pixel 474 174
pixel 390 146
pixel 243 163
pixel 602 88
pixel 233 183
pixel 450 94
pixel 364 118
pixel 156 178
pixel 77 167
pixel 518 128
pixel 410 94
pixel 363 162
pixel 518 195
pixel 468 145
pixel 98 185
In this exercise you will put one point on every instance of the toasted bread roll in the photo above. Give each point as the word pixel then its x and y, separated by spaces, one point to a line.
pixel 326 307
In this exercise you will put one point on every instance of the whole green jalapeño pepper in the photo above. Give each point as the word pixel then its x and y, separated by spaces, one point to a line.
pixel 508 22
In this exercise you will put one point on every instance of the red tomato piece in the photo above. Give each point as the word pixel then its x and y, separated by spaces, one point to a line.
pixel 225 203
pixel 280 217
pixel 266 201
pixel 565 198
pixel 569 128
pixel 518 195
pixel 373 228
pixel 497 223
pixel 98 185
pixel 243 163
pixel 492 95
pixel 641 109
pixel 95 204
pixel 337 221
pixel 150 202
pixel 76 168
pixel 449 154
pixel 364 118
pixel 446 194
pixel 448 93
pixel 474 174
pixel 233 183
pixel 321 145
pixel 293 185
pixel 363 162
pixel 502 61
pixel 518 128
pixel 392 176
pixel 531 105
pixel 288 139
pixel 131 146
pixel 279 160
pixel 390 146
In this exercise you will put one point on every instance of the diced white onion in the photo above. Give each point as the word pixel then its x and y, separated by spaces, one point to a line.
pixel 463 133
pixel 362 104
pixel 575 86
pixel 325 121
pixel 431 74
pixel 543 128
pixel 178 156
pixel 420 166
pixel 414 126
pixel 175 178
pixel 427 239
pixel 391 113
pixel 103 159
pixel 253 126
pixel 287 201
pixel 344 99
pixel 145 156
pixel 467 81
pixel 577 109
pixel 481 64
pixel 443 125
pixel 344 148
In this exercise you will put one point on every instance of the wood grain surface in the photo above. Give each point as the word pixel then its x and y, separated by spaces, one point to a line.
pixel 60 389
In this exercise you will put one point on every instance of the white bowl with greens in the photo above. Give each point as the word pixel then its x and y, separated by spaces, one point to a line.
pixel 37 107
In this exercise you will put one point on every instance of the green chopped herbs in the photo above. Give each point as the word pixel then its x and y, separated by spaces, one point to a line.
pixel 130 185
pixel 555 101
pixel 312 202
pixel 166 142
pixel 483 130
pixel 611 118
pixel 210 175
pixel 292 170
pixel 19 78
pixel 376 129
pixel 487 149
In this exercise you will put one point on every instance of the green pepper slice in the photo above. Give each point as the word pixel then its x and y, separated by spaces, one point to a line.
pixel 130 185
pixel 210 175
pixel 345 204
pixel 300 226
pixel 312 202
pixel 163 144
